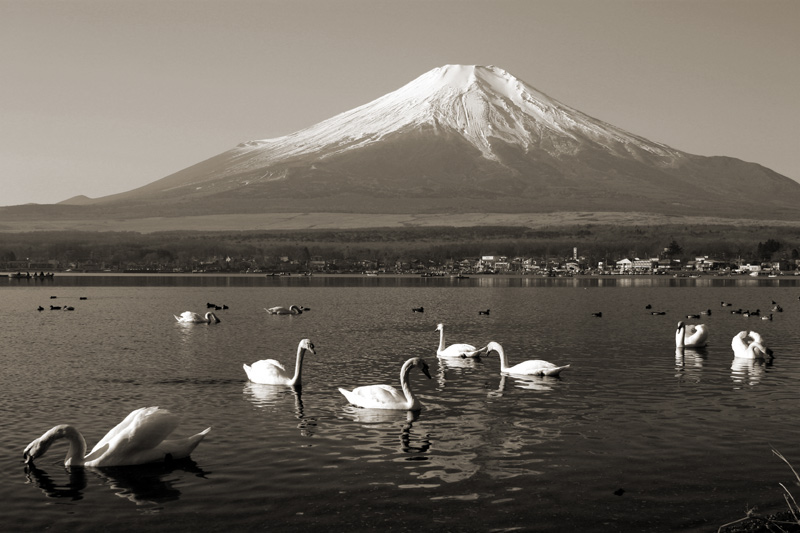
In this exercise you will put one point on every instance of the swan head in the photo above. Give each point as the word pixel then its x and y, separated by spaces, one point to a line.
pixel 296 308
pixel 39 447
pixel 681 325
pixel 306 344
pixel 493 347
pixel 420 363
pixel 439 327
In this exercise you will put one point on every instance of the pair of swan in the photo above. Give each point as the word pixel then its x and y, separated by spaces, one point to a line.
pixel 189 317
pixel 291 310
pixel 691 335
pixel 271 372
pixel 142 437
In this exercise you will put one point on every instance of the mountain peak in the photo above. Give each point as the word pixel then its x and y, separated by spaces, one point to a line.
pixel 479 103
pixel 466 138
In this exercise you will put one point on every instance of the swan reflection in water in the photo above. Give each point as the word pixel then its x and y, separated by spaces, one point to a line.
pixel 457 365
pixel 264 396
pixel 748 371
pixel 145 485
pixel 381 425
pixel 537 383
pixel 689 362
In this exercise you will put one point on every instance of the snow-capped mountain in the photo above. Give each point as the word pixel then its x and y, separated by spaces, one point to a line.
pixel 460 139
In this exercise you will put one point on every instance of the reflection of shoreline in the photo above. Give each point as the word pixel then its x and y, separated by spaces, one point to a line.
pixel 142 484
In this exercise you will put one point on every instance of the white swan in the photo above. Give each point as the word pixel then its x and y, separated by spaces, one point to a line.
pixel 271 372
pixel 534 367
pixel 749 345
pixel 141 438
pixel 455 350
pixel 291 310
pixel 386 396
pixel 691 336
pixel 188 317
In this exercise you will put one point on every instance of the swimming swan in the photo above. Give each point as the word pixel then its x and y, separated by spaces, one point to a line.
pixel 271 372
pixel 691 336
pixel 386 396
pixel 141 438
pixel 291 310
pixel 749 345
pixel 188 317
pixel 535 367
pixel 455 350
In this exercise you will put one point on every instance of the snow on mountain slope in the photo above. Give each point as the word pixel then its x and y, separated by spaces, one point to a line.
pixel 464 139
pixel 481 103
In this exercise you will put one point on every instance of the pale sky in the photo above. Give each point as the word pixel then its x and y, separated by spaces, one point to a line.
pixel 99 97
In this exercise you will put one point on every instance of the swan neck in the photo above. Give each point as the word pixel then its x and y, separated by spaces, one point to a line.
pixel 681 337
pixel 298 365
pixel 441 339
pixel 404 382
pixel 503 357
pixel 77 444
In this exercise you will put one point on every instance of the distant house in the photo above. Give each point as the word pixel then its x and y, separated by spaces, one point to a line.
pixel 642 266
pixel 624 265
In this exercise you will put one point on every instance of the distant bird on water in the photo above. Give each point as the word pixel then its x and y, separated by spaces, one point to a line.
pixel 598 314
pixel 418 309
pixel 188 317
pixel 483 312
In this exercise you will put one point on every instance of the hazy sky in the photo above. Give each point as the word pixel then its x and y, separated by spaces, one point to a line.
pixel 103 96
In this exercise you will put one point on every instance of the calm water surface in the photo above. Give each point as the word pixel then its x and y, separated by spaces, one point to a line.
pixel 688 439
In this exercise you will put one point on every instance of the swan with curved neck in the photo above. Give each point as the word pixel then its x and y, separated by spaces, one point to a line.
pixel 749 345
pixel 271 372
pixel 455 350
pixel 139 439
pixel 291 310
pixel 534 367
pixel 189 317
pixel 386 396
pixel 691 336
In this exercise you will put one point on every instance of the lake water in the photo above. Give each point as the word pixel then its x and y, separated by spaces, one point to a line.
pixel 630 438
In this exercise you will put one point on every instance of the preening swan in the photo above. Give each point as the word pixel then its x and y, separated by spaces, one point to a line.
pixel 456 350
pixel 534 367
pixel 271 372
pixel 691 336
pixel 291 310
pixel 750 345
pixel 188 317
pixel 386 396
pixel 141 438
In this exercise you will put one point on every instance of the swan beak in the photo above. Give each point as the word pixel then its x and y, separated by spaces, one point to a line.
pixel 27 457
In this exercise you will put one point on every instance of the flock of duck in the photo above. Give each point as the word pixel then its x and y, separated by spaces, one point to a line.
pixel 144 435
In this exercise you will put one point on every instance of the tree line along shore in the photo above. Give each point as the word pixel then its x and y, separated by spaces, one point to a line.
pixel 432 248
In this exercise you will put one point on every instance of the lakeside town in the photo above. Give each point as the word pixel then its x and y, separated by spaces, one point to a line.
pixel 479 265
